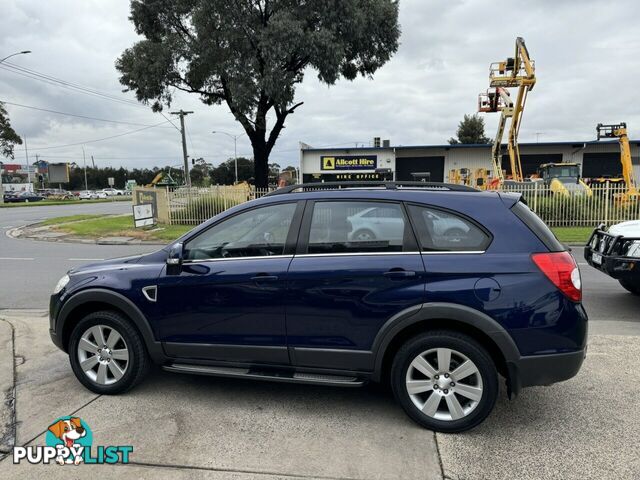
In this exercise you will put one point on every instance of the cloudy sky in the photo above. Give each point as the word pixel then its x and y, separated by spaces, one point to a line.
pixel 587 57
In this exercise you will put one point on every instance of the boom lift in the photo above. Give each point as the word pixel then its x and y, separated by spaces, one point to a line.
pixel 517 71
pixel 619 131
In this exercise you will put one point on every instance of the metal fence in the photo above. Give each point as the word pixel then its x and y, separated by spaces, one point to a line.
pixel 192 206
pixel 600 204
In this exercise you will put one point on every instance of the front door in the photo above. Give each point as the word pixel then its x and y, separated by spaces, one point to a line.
pixel 357 265
pixel 227 302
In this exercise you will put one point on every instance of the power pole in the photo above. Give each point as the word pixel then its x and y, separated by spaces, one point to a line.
pixel 187 177
pixel 26 154
pixel 84 159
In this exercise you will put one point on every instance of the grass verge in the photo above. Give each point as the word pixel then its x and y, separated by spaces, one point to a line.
pixel 573 234
pixel 119 226
pixel 69 218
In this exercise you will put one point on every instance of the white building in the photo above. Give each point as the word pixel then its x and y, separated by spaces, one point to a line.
pixel 597 158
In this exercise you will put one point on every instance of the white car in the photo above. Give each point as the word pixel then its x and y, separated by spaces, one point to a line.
pixel 87 195
pixel 616 252
pixel 112 192
pixel 630 229
pixel 378 222
pixel 91 195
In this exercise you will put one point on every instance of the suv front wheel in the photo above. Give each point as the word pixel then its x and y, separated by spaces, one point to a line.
pixel 107 353
pixel 445 381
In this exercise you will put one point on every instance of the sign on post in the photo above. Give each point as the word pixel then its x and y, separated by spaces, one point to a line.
pixel 111 181
pixel 143 215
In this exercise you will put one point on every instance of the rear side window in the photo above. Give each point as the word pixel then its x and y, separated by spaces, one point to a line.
pixel 444 231
pixel 538 227
pixel 357 227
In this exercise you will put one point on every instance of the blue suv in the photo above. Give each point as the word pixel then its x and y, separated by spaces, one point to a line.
pixel 436 289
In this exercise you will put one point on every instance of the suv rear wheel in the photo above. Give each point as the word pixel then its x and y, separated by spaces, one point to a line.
pixel 445 381
pixel 107 353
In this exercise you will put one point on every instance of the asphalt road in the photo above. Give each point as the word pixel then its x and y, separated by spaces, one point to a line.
pixel 30 269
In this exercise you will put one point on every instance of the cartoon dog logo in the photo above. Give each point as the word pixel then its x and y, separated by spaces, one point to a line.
pixel 69 431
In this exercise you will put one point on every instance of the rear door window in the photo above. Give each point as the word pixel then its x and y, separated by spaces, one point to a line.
pixel 444 231
pixel 357 227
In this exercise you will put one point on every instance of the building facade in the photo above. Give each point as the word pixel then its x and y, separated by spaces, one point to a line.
pixel 402 163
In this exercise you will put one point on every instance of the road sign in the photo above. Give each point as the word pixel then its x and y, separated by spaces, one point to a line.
pixel 111 181
pixel 143 215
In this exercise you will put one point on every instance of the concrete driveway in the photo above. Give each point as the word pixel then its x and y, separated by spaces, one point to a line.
pixel 202 427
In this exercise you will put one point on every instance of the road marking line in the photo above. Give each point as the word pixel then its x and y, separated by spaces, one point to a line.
pixel 86 259
pixel 16 258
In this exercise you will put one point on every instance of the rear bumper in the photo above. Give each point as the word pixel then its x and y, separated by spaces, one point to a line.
pixel 545 369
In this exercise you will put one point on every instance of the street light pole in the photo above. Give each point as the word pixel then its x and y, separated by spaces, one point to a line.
pixel 23 52
pixel 235 149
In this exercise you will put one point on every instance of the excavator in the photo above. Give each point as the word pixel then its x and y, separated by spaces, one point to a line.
pixel 515 72
pixel 563 179
pixel 619 131
pixel 162 179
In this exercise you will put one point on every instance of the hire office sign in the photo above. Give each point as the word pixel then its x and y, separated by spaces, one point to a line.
pixel 348 162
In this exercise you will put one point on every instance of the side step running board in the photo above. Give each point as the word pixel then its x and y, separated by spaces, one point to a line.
pixel 274 376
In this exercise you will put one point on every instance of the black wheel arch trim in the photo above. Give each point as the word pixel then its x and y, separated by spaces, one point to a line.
pixel 119 301
pixel 442 311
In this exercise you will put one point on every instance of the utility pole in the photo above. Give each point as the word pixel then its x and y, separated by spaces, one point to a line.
pixel 187 177
pixel 84 159
pixel 26 154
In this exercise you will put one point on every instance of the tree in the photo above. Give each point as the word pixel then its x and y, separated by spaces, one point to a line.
pixel 8 136
pixel 251 54
pixel 470 130
pixel 224 174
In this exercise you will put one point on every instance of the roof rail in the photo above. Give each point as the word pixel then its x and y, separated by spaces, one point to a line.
pixel 369 184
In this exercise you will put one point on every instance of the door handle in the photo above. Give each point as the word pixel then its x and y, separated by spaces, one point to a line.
pixel 399 273
pixel 263 277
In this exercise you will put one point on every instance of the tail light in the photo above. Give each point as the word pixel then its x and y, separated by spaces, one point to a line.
pixel 561 269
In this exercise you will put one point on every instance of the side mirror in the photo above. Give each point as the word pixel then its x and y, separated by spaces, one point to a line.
pixel 174 259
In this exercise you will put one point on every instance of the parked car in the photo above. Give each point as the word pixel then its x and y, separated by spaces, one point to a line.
pixel 91 195
pixel 111 192
pixel 55 194
pixel 616 252
pixel 281 289
pixel 23 197
pixel 383 222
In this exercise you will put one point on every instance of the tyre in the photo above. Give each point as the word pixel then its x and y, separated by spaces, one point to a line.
pixel 364 235
pixel 630 286
pixel 107 354
pixel 445 381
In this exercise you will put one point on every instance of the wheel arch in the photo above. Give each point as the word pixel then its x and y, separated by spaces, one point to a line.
pixel 92 300
pixel 437 316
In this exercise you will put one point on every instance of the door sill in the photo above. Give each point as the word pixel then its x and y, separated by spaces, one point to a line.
pixel 268 375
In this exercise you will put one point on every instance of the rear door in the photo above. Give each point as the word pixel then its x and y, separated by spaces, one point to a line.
pixel 342 287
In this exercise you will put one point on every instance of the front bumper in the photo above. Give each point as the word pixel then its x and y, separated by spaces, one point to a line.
pixel 610 250
pixel 54 310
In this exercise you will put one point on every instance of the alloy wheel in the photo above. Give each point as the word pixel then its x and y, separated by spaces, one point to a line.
pixel 103 354
pixel 444 384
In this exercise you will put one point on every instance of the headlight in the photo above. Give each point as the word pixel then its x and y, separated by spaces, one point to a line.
pixel 61 284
